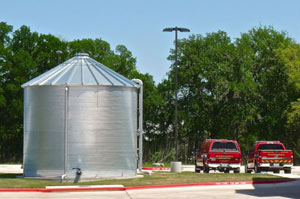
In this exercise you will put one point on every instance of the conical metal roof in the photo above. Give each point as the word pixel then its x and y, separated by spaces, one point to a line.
pixel 80 70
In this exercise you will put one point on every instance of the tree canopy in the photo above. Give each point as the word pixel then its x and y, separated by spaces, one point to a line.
pixel 244 89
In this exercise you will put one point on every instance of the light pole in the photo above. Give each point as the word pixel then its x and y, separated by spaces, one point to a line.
pixel 58 53
pixel 176 29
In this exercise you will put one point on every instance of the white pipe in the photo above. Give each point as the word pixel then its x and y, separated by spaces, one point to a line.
pixel 140 130
pixel 63 177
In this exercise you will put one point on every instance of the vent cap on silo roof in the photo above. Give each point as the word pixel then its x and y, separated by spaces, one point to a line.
pixel 80 70
pixel 81 54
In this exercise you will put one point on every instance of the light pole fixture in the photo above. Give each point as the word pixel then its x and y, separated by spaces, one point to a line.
pixel 58 53
pixel 176 29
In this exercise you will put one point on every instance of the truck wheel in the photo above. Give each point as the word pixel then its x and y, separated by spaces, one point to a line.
pixel 205 169
pixel 226 171
pixel 236 170
pixel 288 170
pixel 276 171
pixel 197 169
pixel 256 169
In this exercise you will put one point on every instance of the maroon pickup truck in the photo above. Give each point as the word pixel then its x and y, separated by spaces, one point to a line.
pixel 269 156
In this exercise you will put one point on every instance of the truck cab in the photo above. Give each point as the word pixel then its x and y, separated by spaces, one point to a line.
pixel 269 156
pixel 218 154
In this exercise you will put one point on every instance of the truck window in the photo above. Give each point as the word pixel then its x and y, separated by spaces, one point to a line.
pixel 270 147
pixel 224 146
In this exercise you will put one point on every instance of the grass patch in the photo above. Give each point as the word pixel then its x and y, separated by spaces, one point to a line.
pixel 166 164
pixel 158 178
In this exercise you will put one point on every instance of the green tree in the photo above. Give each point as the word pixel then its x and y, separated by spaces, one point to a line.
pixel 120 60
pixel 258 51
pixel 290 57
pixel 235 90
pixel 98 49
pixel 24 55
pixel 5 30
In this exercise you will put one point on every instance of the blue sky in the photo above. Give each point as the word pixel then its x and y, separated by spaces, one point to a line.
pixel 138 24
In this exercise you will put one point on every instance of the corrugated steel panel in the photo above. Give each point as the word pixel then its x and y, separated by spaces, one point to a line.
pixel 43 131
pixel 101 131
pixel 80 70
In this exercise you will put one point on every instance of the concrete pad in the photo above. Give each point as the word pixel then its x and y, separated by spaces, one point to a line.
pixel 189 192
pixel 278 191
pixel 11 168
pixel 84 186
pixel 68 195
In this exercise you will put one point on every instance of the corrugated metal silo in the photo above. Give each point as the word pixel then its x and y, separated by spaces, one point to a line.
pixel 82 115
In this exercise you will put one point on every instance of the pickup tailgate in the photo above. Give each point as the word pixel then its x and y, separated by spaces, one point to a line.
pixel 224 157
pixel 275 156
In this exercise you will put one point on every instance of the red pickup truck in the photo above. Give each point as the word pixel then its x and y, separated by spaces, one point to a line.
pixel 218 154
pixel 269 156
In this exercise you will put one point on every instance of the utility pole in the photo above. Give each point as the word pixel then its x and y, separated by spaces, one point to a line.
pixel 58 53
pixel 176 29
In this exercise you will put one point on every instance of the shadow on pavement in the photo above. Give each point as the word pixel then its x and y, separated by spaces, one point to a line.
pixel 9 175
pixel 285 189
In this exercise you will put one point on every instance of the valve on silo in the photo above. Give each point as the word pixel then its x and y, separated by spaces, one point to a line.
pixel 78 175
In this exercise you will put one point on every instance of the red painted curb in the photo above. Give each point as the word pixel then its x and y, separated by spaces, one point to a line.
pixel 137 187
pixel 156 168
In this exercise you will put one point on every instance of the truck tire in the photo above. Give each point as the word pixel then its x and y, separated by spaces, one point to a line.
pixel 236 170
pixel 288 170
pixel 256 169
pixel 197 169
pixel 205 169
pixel 226 171
pixel 276 171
